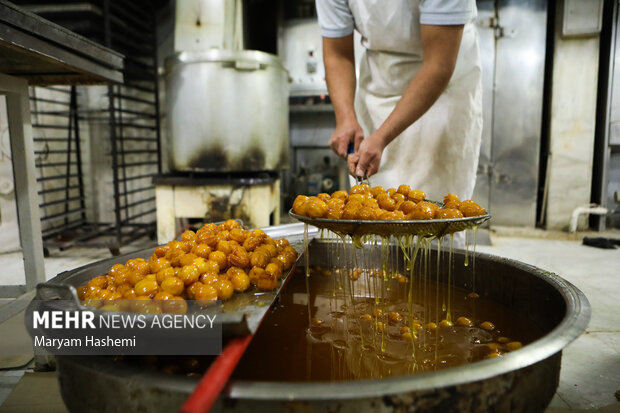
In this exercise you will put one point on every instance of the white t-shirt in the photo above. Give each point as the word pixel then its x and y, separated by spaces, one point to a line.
pixel 336 19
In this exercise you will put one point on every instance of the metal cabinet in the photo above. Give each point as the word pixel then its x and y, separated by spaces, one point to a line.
pixel 512 43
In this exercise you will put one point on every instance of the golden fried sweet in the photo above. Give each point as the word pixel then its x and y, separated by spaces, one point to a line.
pixel 259 259
pixel 231 224
pixel 189 274
pixel 274 269
pixel 239 258
pixel 201 250
pixel 386 202
pixel 375 191
pixel 407 207
pixel 299 205
pixel 422 210
pixel 404 190
pixel 324 197
pixel 266 282
pixel 365 213
pixel 238 234
pixel 344 195
pixel 146 287
pixel 173 285
pixel 471 209
pixel 188 236
pixel 240 281
pixel 209 278
pixel 360 189
pixel 187 259
pixel 448 214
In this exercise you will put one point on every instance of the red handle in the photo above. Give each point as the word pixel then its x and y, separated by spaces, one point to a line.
pixel 216 377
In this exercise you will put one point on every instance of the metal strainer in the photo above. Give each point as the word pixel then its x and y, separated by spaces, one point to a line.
pixel 430 227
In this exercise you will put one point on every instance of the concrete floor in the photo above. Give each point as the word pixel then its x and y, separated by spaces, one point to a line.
pixel 590 367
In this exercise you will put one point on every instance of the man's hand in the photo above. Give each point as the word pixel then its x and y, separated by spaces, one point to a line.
pixel 344 134
pixel 365 161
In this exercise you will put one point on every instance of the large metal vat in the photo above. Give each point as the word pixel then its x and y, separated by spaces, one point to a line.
pixel 522 381
pixel 227 111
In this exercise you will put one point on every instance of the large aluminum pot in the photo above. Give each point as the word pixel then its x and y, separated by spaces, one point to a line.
pixel 227 111
pixel 521 381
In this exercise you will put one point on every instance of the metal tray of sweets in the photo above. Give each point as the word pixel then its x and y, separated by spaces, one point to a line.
pixel 240 315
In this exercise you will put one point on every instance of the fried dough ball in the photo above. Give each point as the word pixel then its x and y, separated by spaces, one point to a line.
pixel 188 236
pixel 324 197
pixel 386 202
pixel 207 238
pixel 231 224
pixel 239 258
pixel 240 281
pixel 239 235
pixel 416 195
pixel 344 195
pixel 487 325
pixel 189 274
pixel 159 251
pixel 365 213
pixel 164 273
pixel 299 205
pixel 176 305
pixel 220 259
pixel 187 259
pixel 224 289
pixel 205 294
pixel 254 274
pixel 274 269
pixel 360 189
pixel 335 213
pixel 464 321
pixel 451 198
pixel 407 207
pixel 471 209
pixel 422 210
pixel 158 265
pixel 209 278
pixel 376 191
pixel 404 190
pixel 202 250
pixel 146 287
pixel 266 281
pixel 259 259
pixel 173 285
pixel 251 243
pixel 448 214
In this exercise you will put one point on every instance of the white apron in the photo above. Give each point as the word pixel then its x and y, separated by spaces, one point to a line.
pixel 439 152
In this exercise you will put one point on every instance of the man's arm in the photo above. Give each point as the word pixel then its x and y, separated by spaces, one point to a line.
pixel 441 46
pixel 339 60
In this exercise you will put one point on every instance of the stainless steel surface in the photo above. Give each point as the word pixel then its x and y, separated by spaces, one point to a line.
pixel 430 227
pixel 522 381
pixel 45 53
pixel 227 111
pixel 611 177
pixel 485 23
pixel 517 110
pixel 581 17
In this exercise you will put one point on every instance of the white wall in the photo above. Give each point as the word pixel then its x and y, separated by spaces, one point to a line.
pixel 573 116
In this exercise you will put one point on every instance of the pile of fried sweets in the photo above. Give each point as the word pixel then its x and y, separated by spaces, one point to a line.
pixel 365 203
pixel 207 265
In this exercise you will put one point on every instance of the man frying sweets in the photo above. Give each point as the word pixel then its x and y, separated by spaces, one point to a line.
pixel 416 118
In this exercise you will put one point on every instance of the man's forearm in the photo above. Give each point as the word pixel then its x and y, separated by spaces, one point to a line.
pixel 340 76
